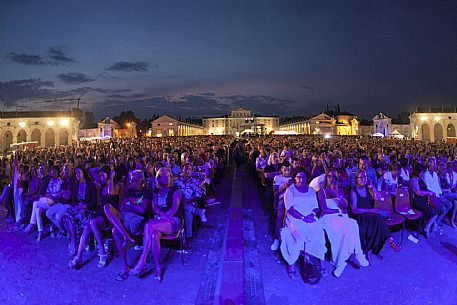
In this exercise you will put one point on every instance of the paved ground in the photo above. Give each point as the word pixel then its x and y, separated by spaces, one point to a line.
pixel 422 273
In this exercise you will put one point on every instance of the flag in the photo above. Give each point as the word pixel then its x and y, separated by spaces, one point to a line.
pixel 17 191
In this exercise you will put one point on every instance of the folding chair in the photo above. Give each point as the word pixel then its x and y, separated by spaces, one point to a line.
pixel 385 204
pixel 403 207
pixel 181 237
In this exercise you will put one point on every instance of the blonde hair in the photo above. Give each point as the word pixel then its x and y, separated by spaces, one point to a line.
pixel 159 173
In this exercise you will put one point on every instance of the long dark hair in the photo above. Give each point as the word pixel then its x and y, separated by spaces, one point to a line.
pixel 84 171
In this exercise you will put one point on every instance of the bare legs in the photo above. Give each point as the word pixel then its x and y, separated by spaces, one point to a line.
pixel 94 226
pixel 121 238
pixel 153 231
pixel 114 218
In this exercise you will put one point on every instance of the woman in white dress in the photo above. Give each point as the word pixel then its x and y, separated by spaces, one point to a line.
pixel 302 231
pixel 342 231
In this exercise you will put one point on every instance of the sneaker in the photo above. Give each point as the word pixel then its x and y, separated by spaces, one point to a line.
pixel 339 270
pixel 362 260
pixel 138 248
pixel 275 245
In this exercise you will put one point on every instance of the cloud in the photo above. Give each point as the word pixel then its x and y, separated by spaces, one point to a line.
pixel 116 96
pixel 125 66
pixel 308 87
pixel 74 78
pixel 26 59
pixel 60 54
pixel 26 89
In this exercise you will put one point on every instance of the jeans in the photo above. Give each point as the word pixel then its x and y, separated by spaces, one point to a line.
pixel 189 211
pixel 447 200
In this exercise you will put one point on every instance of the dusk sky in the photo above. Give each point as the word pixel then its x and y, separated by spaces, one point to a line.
pixel 202 58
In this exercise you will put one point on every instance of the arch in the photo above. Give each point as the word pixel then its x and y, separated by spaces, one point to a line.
pixel 438 132
pixel 450 130
pixel 63 137
pixel 7 140
pixel 21 136
pixel 36 136
pixel 49 138
pixel 425 132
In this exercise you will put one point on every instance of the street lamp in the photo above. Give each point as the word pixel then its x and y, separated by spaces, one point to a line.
pixel 22 124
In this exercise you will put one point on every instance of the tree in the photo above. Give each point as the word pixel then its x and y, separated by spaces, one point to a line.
pixel 126 117
pixel 89 120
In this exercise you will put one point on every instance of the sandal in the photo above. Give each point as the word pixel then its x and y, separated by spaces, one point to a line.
pixel 292 273
pixel 103 260
pixel 394 245
pixel 158 276
pixel 71 250
pixel 39 236
pixel 75 263
pixel 139 271
pixel 122 276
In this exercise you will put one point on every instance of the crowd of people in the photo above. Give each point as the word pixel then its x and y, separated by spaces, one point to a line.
pixel 327 196
pixel 134 191
pixel 322 193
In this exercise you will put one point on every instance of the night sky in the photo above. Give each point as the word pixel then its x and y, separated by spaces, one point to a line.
pixel 201 58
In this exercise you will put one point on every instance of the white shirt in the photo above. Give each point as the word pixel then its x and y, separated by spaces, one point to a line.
pixel 454 179
pixel 317 182
pixel 389 179
pixel 261 162
pixel 280 180
pixel 404 174
pixel 433 182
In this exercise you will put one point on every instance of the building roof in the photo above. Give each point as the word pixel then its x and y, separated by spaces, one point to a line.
pixel 333 113
pixel 380 116
pixel 440 109
pixel 108 120
pixel 35 114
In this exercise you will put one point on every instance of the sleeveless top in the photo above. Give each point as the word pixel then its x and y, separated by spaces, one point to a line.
pixel 109 199
pixel 168 201
pixel 364 202
pixel 332 203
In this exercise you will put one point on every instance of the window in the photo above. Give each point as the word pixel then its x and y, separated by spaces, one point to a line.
pixel 36 123
pixel 158 124
pixel 8 124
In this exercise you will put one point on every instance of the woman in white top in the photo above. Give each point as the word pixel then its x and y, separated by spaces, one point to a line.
pixel 391 178
pixel 302 232
pixel 342 231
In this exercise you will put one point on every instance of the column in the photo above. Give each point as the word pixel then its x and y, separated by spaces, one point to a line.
pixel 56 138
pixel 43 138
